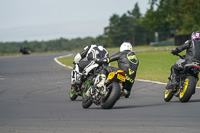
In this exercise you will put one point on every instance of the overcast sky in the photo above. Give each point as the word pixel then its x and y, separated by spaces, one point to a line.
pixel 51 19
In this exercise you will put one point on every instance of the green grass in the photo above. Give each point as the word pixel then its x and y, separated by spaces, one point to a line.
pixel 9 54
pixel 154 63
pixel 67 60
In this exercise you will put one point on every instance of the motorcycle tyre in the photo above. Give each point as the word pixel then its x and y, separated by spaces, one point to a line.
pixel 113 97
pixel 167 95
pixel 86 102
pixel 72 95
pixel 188 90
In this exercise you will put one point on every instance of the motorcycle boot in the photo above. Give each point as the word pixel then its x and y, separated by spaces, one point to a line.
pixel 172 83
pixel 126 90
pixel 76 75
pixel 79 81
pixel 101 83
pixel 125 93
pixel 102 79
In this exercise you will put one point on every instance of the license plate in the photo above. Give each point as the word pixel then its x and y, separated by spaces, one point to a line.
pixel 121 77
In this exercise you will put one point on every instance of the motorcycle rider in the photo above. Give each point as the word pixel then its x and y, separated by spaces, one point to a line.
pixel 86 58
pixel 192 48
pixel 127 61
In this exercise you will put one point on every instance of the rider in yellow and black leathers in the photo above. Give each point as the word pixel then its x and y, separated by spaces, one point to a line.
pixel 127 61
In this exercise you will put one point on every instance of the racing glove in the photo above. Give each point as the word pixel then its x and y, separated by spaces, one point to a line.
pixel 103 60
pixel 175 51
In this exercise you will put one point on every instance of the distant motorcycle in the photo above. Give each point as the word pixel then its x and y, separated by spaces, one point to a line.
pixel 187 80
pixel 24 50
pixel 106 96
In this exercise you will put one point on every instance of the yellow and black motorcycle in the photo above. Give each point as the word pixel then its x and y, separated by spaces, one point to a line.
pixel 187 80
pixel 106 96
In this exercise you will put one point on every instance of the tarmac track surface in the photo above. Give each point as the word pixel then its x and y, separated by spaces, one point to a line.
pixel 34 98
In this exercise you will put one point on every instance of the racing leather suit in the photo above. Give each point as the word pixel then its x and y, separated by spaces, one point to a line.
pixel 192 48
pixel 91 53
pixel 85 59
pixel 128 62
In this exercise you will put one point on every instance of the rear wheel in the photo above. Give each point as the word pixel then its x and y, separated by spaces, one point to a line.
pixel 168 95
pixel 188 89
pixel 72 94
pixel 113 96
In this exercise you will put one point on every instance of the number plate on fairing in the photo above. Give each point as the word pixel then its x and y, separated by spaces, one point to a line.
pixel 121 77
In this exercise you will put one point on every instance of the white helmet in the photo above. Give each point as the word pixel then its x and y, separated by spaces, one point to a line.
pixel 125 46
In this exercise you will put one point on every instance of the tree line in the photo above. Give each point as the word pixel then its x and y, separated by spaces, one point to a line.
pixel 46 46
pixel 166 17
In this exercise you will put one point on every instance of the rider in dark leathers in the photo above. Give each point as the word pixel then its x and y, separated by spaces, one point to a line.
pixel 127 61
pixel 86 58
pixel 192 48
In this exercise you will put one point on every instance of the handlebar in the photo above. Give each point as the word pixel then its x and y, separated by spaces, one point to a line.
pixel 99 61
pixel 182 57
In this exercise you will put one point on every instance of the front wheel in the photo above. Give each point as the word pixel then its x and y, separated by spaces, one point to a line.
pixel 188 89
pixel 168 95
pixel 86 102
pixel 72 94
pixel 114 94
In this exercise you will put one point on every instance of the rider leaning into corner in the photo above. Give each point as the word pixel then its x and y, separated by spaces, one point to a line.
pixel 84 59
pixel 192 48
pixel 127 61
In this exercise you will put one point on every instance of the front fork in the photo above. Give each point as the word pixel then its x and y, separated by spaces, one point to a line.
pixel 181 82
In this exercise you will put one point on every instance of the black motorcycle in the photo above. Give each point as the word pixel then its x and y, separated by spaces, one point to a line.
pixel 25 50
pixel 186 79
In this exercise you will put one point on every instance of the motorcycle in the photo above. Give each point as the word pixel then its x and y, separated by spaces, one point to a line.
pixel 186 79
pixel 79 89
pixel 105 96
pixel 25 51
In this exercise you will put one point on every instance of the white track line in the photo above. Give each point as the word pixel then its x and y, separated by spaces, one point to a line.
pixel 156 82
pixel 56 60
pixel 142 80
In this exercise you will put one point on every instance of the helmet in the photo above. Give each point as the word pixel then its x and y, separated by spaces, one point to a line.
pixel 125 46
pixel 100 46
pixel 195 35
